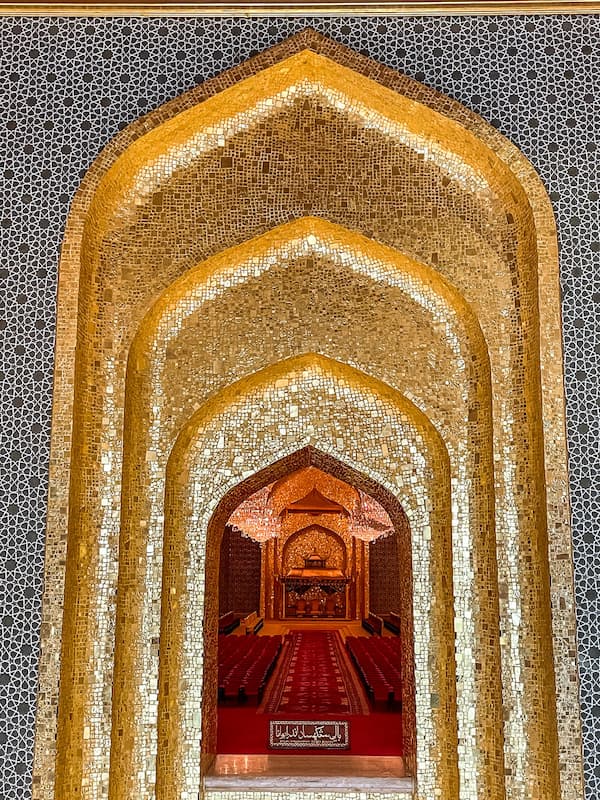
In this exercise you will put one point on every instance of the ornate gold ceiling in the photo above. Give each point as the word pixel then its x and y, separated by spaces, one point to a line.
pixel 344 508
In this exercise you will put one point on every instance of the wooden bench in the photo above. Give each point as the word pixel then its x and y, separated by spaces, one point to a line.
pixel 392 622
pixel 228 622
pixel 373 624
pixel 252 623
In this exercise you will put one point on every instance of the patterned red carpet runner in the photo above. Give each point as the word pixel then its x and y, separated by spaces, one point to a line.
pixel 315 677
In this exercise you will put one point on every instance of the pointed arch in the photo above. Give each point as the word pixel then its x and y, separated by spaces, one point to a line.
pixel 309 400
pixel 496 244
pixel 447 376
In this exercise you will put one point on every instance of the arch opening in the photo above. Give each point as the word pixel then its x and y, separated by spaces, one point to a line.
pixel 383 727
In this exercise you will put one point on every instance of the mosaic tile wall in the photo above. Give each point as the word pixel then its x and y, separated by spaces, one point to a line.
pixel 239 573
pixel 200 473
pixel 70 85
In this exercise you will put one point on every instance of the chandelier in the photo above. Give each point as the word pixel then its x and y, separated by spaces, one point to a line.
pixel 256 518
pixel 369 519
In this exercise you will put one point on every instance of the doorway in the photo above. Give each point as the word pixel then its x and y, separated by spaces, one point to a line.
pixel 299 642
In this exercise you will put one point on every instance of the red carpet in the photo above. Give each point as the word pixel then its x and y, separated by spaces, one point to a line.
pixel 315 677
pixel 314 680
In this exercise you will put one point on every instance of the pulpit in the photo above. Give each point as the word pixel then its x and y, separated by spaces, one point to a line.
pixel 320 590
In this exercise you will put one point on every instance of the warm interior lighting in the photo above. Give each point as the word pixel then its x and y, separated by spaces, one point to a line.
pixel 362 516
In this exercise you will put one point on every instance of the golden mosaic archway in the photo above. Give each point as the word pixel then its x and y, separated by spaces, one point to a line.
pixel 305 401
pixel 415 244
pixel 192 322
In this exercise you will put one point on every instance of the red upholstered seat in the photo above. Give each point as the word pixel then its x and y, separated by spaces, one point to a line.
pixel 245 664
pixel 378 663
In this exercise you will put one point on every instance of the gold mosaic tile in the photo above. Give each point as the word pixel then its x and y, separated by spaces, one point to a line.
pixel 422 253
pixel 186 323
pixel 207 462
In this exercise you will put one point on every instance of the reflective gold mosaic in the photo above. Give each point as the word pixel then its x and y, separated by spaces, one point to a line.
pixel 310 251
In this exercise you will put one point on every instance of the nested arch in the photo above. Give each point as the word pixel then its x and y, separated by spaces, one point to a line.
pixel 453 194
pixel 305 401
pixel 245 292
pixel 342 551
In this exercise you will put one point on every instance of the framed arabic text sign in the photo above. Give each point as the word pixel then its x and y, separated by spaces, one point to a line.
pixel 311 734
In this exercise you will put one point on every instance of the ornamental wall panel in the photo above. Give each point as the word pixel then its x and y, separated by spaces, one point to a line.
pixel 311 202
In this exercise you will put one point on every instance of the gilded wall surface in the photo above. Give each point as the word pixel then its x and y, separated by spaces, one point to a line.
pixel 434 243
pixel 311 541
pixel 144 301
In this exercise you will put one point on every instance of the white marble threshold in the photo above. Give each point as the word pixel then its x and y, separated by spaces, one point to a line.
pixel 278 773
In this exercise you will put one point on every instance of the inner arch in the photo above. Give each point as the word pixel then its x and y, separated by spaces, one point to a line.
pixel 320 389
pixel 315 466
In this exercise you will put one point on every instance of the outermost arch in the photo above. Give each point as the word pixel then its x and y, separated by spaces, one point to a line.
pixel 552 417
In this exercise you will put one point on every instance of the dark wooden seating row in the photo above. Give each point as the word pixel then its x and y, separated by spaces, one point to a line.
pixel 373 624
pixel 252 623
pixel 377 662
pixel 245 666
pixel 392 622
pixel 229 622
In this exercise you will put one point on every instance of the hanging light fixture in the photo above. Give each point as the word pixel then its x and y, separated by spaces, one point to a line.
pixel 369 520
pixel 256 518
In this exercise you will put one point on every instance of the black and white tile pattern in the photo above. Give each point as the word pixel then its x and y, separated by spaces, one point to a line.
pixel 69 85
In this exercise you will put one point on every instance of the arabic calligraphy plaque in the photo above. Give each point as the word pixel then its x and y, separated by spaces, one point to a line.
pixel 313 734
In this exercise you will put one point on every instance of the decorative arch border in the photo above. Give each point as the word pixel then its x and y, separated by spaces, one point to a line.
pixel 476 596
pixel 334 403
pixel 552 400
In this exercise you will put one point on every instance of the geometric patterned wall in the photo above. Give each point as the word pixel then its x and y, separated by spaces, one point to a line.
pixel 239 573
pixel 71 84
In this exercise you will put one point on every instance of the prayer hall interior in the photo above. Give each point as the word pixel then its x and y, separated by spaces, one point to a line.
pixel 310 621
